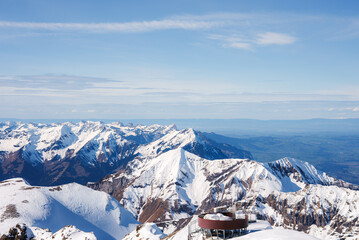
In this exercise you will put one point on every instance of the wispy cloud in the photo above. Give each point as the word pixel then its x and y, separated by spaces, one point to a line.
pixel 143 26
pixel 66 88
pixel 335 27
pixel 163 99
pixel 260 39
pixel 270 38
pixel 50 81
pixel 341 109
pixel 240 45
pixel 232 41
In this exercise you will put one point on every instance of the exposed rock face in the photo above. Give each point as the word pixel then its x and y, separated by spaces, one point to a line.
pixel 19 232
pixel 10 212
pixel 52 154
pixel 172 187
pixel 328 207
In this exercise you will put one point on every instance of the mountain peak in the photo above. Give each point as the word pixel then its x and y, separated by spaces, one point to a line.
pixel 301 172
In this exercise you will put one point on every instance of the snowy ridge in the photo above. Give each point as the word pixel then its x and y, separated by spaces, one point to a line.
pixel 191 141
pixel 299 172
pixel 172 140
pixel 56 207
pixel 58 153
pixel 68 232
pixel 58 138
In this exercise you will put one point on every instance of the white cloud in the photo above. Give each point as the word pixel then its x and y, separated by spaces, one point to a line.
pixel 143 26
pixel 232 41
pixel 354 109
pixel 270 38
pixel 240 45
pixel 74 110
pixel 339 27
pixel 248 43
pixel 91 111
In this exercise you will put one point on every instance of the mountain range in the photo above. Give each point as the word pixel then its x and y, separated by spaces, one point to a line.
pixel 58 153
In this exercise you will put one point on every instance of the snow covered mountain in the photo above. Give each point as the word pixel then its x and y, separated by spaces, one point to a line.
pixel 170 188
pixel 194 142
pixel 158 175
pixel 64 210
pixel 296 171
pixel 58 153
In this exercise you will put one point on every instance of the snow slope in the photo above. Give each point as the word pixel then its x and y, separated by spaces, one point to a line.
pixel 260 230
pixel 277 234
pixel 57 207
pixel 146 231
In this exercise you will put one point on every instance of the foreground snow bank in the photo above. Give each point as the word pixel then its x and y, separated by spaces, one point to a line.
pixel 276 234
pixel 56 207
pixel 68 232
pixel 146 231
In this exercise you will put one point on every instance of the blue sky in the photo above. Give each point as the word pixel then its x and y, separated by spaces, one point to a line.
pixel 179 59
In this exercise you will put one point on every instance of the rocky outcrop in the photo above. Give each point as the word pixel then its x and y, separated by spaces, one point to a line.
pixel 327 207
pixel 18 232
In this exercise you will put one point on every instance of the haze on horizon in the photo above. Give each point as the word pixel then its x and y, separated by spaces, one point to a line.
pixel 261 59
